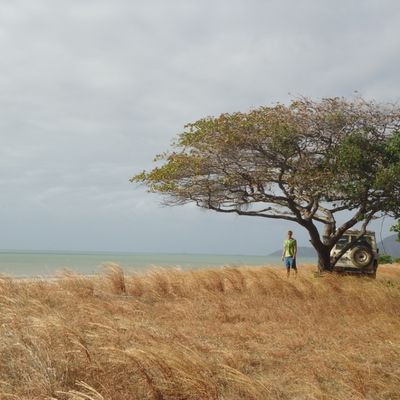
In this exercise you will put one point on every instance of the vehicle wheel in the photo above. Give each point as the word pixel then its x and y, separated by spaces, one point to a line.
pixel 361 256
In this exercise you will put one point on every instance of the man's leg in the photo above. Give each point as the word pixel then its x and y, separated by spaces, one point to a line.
pixel 287 265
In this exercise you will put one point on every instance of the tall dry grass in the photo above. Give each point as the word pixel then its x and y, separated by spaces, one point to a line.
pixel 231 333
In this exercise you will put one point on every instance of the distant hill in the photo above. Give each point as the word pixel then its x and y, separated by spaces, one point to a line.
pixel 302 251
pixel 389 246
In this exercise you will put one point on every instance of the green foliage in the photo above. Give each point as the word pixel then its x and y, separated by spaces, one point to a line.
pixel 396 228
pixel 332 151
pixel 385 259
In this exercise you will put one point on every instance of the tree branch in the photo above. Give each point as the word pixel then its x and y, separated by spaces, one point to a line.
pixel 259 213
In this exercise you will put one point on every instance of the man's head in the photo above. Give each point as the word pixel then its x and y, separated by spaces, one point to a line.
pixel 290 234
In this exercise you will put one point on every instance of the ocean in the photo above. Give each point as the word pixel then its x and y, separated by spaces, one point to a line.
pixel 47 263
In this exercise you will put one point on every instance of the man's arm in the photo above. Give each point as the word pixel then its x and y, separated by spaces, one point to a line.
pixel 295 249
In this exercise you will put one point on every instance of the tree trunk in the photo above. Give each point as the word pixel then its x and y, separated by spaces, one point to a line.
pixel 322 249
pixel 324 259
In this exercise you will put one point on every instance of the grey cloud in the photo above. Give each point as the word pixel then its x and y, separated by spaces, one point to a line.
pixel 91 91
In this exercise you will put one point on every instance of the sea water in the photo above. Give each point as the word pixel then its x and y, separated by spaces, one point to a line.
pixel 46 263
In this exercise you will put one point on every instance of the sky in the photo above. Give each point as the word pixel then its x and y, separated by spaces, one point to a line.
pixel 91 91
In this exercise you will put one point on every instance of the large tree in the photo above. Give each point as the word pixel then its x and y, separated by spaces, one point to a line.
pixel 307 162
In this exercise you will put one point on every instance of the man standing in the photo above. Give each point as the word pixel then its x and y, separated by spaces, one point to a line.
pixel 289 253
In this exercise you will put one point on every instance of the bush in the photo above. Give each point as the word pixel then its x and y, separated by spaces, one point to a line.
pixel 385 259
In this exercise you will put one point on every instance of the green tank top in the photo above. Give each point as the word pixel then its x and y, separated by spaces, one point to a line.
pixel 289 245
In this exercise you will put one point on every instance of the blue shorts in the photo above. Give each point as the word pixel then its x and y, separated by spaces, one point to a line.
pixel 290 262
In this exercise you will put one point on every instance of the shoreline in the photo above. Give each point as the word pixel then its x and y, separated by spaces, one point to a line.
pixel 69 273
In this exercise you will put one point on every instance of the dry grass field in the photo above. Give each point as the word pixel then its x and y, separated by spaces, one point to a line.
pixel 231 333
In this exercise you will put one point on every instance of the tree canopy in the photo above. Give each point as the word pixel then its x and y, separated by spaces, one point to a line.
pixel 304 162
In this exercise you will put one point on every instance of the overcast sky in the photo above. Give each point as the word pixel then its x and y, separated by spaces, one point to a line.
pixel 91 91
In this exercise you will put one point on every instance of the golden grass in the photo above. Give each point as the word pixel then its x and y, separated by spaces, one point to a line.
pixel 231 333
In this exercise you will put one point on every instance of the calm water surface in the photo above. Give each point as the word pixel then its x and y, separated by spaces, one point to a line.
pixel 43 263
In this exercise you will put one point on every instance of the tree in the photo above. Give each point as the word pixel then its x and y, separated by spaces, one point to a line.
pixel 396 228
pixel 308 162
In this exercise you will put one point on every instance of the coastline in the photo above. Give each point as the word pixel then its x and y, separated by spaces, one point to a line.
pixel 27 264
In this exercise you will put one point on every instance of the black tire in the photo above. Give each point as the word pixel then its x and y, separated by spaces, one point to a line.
pixel 361 256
